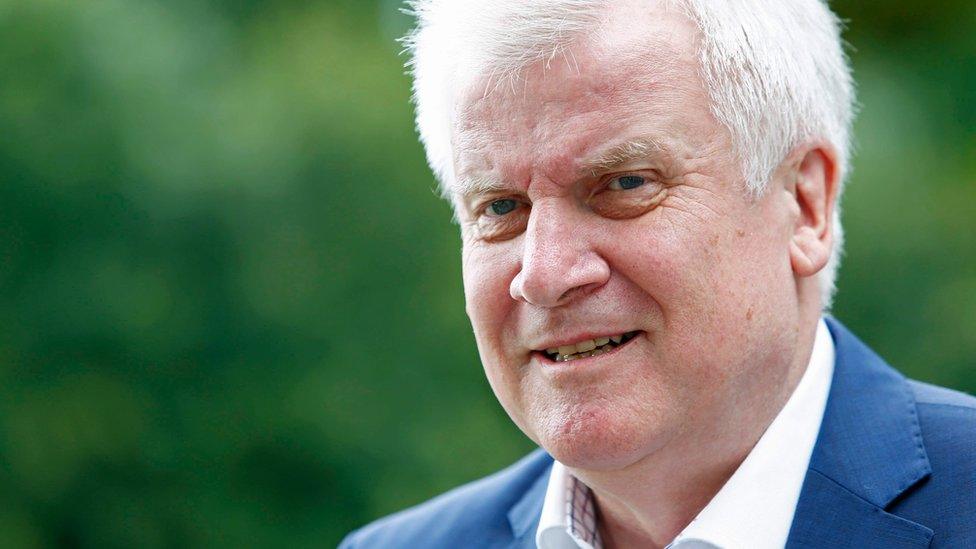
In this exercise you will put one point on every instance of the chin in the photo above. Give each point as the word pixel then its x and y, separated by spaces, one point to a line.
pixel 594 438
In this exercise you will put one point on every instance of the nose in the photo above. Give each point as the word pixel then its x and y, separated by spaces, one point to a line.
pixel 559 262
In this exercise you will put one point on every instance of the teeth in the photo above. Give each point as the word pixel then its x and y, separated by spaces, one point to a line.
pixel 590 347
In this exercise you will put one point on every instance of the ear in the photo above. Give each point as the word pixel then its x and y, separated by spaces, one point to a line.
pixel 814 189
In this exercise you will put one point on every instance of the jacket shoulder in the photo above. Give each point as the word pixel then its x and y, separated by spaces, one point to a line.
pixel 947 420
pixel 927 394
pixel 477 511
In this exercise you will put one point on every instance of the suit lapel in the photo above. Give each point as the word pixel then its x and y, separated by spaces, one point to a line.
pixel 869 451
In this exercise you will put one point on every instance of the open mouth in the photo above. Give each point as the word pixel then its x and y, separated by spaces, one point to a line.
pixel 588 348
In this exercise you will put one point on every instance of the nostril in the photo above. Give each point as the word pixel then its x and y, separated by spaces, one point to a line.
pixel 553 284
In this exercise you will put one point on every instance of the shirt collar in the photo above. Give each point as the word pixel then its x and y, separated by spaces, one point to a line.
pixel 755 506
pixel 568 519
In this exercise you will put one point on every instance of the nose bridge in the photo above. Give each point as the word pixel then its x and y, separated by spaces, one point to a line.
pixel 548 240
pixel 557 257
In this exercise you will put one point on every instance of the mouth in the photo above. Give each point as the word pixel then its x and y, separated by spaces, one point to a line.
pixel 588 347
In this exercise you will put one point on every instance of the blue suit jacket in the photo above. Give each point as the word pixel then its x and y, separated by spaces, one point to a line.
pixel 894 466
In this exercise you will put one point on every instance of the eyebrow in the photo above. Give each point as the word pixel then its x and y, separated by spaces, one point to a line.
pixel 622 154
pixel 608 160
pixel 479 185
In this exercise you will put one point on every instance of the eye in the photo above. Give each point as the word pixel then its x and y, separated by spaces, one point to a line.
pixel 501 219
pixel 627 196
pixel 625 182
pixel 503 206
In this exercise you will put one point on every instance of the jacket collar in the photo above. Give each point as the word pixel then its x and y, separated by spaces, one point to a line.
pixel 525 514
pixel 869 451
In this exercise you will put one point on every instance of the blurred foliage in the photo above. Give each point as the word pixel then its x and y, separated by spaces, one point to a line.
pixel 231 304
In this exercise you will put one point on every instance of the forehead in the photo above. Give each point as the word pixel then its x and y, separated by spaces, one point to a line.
pixel 636 76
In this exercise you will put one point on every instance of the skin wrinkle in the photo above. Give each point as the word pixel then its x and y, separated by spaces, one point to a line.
pixel 685 206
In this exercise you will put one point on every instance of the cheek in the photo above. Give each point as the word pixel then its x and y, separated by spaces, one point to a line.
pixel 488 272
pixel 703 279
pixel 487 277
pixel 664 263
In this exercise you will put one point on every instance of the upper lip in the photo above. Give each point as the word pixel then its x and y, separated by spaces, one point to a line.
pixel 561 340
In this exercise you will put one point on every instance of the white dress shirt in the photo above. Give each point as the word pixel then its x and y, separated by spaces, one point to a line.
pixel 754 509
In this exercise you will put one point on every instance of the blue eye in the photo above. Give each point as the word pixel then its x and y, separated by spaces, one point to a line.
pixel 502 207
pixel 626 182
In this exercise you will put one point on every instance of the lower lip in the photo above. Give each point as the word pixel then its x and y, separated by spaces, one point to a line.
pixel 586 360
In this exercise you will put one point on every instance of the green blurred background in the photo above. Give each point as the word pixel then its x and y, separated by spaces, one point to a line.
pixel 231 304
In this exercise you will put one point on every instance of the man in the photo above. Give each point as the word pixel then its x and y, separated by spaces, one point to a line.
pixel 647 193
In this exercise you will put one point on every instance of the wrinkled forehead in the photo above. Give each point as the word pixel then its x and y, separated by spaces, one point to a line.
pixel 637 65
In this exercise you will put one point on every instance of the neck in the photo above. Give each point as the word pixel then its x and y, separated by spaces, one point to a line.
pixel 648 503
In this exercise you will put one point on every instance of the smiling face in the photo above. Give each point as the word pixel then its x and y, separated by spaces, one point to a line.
pixel 602 207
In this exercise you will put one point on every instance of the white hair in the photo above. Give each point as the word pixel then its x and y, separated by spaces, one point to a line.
pixel 775 72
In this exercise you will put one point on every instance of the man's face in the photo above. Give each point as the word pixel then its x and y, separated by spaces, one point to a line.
pixel 601 204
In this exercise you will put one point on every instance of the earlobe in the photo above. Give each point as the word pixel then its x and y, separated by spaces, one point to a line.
pixel 808 252
pixel 815 191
